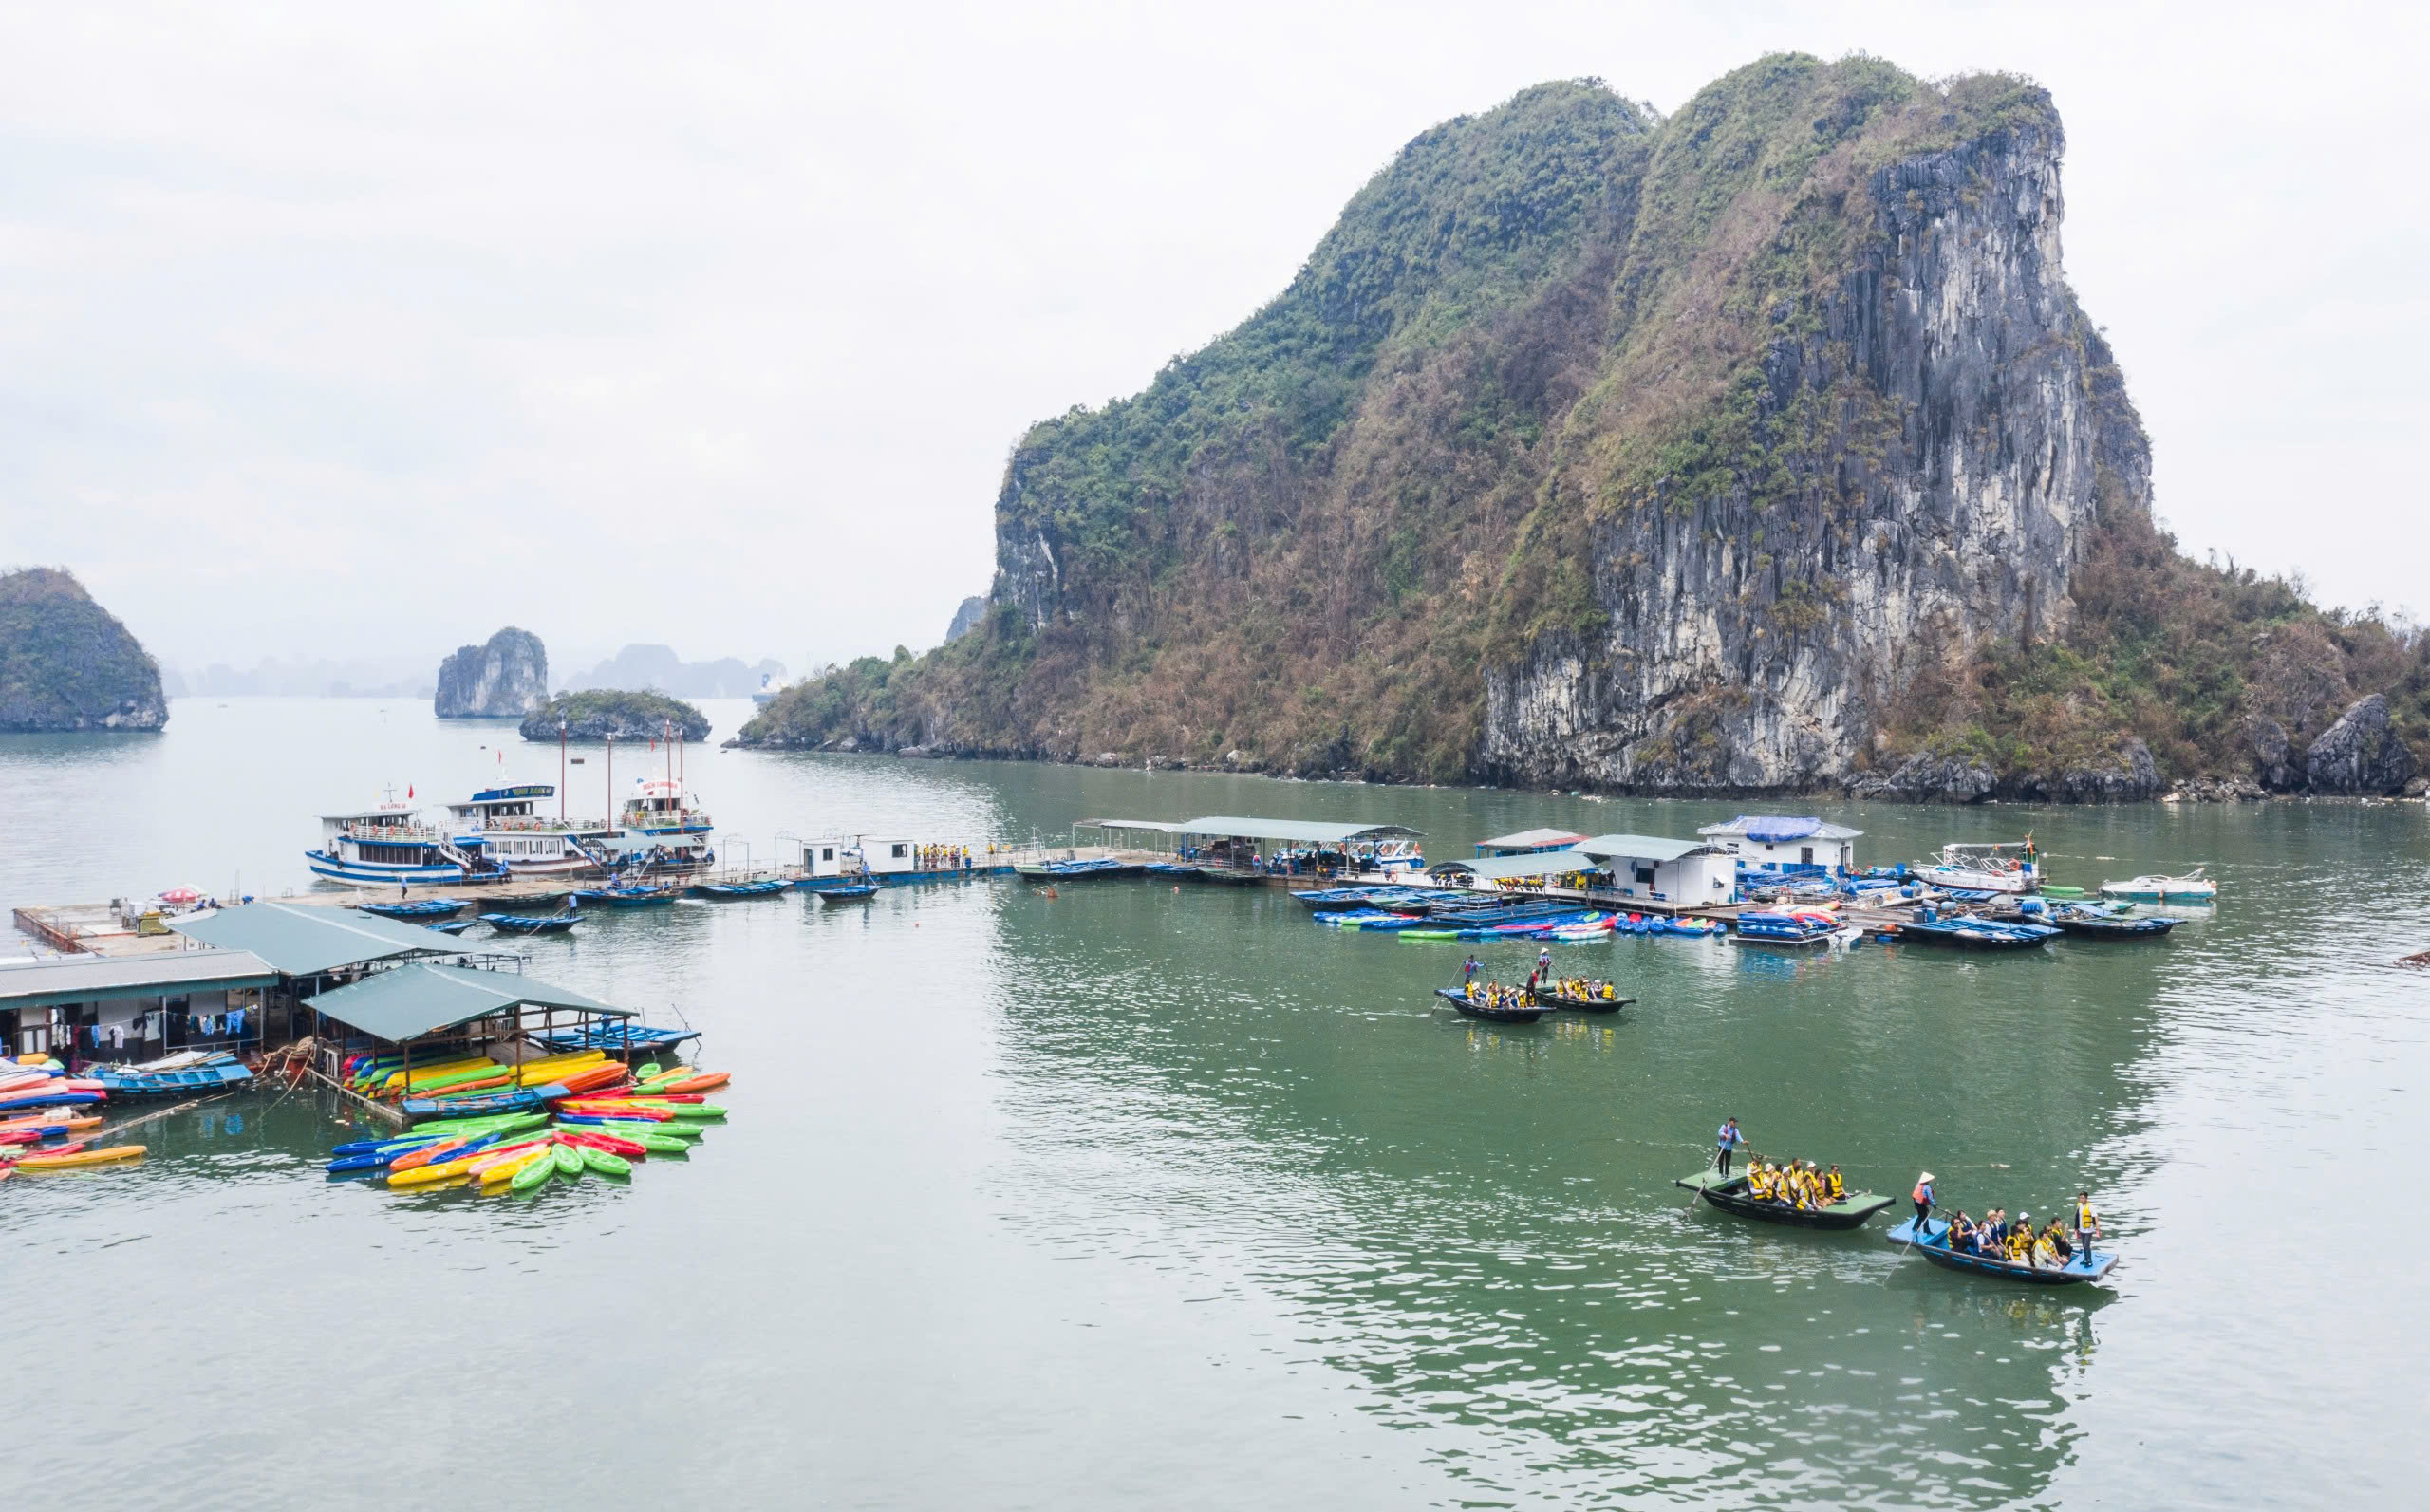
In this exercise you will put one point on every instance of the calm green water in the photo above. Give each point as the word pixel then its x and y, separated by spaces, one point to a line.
pixel 1145 1197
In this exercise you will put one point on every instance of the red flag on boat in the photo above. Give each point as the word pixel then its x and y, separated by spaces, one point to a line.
pixel 409 790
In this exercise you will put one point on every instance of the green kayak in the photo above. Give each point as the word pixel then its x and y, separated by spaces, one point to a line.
pixel 604 1164
pixel 532 1175
pixel 2055 891
pixel 568 1162
pixel 662 1144
pixel 1429 934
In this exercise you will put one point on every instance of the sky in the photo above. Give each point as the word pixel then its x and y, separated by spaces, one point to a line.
pixel 350 331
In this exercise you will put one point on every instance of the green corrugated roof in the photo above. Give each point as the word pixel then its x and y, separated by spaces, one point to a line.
pixel 1534 864
pixel 101 979
pixel 1640 848
pixel 417 999
pixel 1308 831
pixel 300 940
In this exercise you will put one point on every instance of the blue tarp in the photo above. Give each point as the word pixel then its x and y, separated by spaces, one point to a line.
pixel 1775 826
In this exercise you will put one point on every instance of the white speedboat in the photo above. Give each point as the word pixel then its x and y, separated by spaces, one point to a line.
pixel 2005 867
pixel 511 827
pixel 2153 887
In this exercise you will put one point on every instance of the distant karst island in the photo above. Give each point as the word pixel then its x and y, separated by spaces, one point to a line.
pixel 506 677
pixel 67 663
pixel 603 714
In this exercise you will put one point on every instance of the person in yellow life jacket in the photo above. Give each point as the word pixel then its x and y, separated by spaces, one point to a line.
pixel 2087 1224
pixel 1836 1184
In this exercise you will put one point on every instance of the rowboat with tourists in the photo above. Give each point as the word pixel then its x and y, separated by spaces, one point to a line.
pixel 1493 1002
pixel 1580 996
pixel 1933 1242
pixel 1757 1193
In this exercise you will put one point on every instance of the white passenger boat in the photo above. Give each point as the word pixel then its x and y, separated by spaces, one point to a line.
pixel 2151 888
pixel 2007 866
pixel 664 826
pixel 512 827
pixel 391 845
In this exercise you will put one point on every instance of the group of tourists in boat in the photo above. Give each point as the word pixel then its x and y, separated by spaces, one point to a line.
pixel 2014 1241
pixel 1794 1183
pixel 1804 1194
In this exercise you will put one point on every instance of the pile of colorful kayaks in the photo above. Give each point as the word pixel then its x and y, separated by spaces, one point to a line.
pixel 594 1116
pixel 44 1116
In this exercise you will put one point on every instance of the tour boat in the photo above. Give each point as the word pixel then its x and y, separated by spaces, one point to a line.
pixel 2005 867
pixel 509 826
pixel 2191 887
pixel 664 826
pixel 389 845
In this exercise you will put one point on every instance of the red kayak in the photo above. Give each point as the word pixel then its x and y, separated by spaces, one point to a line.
pixel 605 1144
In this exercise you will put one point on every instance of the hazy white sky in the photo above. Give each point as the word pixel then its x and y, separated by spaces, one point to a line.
pixel 347 329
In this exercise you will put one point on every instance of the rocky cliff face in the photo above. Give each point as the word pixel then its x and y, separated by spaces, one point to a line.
pixel 504 679
pixel 606 713
pixel 966 618
pixel 1928 438
pixel 67 663
pixel 1763 448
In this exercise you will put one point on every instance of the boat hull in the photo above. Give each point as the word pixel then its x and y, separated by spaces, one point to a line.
pixel 380 872
pixel 1491 1016
pixel 1728 1194
pixel 1581 1005
pixel 1933 1245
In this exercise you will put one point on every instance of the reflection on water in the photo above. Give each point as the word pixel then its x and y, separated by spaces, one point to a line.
pixel 1142 1192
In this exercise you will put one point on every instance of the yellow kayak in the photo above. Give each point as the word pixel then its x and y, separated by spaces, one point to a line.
pixel 83 1157
pixel 445 1170
pixel 510 1170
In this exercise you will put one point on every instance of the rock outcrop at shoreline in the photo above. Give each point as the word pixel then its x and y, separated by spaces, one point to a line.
pixel 67 663
pixel 599 714
pixel 505 679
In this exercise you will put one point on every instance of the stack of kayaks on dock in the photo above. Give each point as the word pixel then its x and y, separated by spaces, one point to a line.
pixel 595 1116
pixel 45 1118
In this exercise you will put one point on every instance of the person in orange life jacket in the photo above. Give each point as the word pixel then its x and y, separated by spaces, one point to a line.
pixel 1924 1201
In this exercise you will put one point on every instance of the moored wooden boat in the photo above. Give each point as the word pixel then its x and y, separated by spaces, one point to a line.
pixel 1728 1193
pixel 1933 1244
pixel 857 892
pixel 418 908
pixel 2094 927
pixel 515 924
pixel 1479 1008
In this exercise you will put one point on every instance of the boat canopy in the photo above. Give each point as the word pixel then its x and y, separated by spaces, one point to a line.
pixel 98 978
pixel 1543 839
pixel 421 998
pixel 1294 831
pixel 1507 868
pixel 301 939
pixel 1644 848
pixel 1777 827
pixel 1159 825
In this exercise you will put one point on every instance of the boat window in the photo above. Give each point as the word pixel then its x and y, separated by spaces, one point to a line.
pixel 826 854
pixel 1805 855
pixel 902 850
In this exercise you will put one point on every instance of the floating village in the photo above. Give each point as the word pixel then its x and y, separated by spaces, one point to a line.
pixel 395 985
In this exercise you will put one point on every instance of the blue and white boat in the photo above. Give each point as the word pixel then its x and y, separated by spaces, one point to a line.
pixel 390 846
pixel 664 826
pixel 2153 887
pixel 2004 867
pixel 511 826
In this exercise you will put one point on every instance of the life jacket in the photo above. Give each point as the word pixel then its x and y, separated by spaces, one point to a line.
pixel 1838 1188
pixel 2085 1218
pixel 1923 1193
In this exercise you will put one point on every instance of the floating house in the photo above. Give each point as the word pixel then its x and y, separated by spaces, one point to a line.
pixel 1786 844
pixel 1231 842
pixel 1528 842
pixel 133 1008
pixel 1654 869
pixel 867 858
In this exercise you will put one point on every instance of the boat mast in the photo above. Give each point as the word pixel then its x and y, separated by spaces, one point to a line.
pixel 611 776
pixel 561 772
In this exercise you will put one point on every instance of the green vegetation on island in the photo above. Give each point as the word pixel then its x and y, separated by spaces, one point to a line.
pixel 601 713
pixel 1758 448
pixel 67 663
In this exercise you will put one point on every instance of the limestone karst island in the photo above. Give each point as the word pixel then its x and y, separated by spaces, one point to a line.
pixel 1603 852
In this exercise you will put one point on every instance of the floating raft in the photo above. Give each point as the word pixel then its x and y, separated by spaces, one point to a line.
pixel 1728 1193
pixel 619 1039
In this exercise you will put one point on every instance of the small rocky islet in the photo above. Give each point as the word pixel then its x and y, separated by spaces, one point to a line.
pixel 603 714
pixel 67 663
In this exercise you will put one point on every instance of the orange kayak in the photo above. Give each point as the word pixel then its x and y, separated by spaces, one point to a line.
pixel 83 1157
pixel 429 1154
pixel 705 1081
pixel 592 1079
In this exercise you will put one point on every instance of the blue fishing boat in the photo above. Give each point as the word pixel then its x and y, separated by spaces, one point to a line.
pixel 628 896
pixel 215 1074
pixel 1970 932
pixel 2093 921
pixel 1932 1242
pixel 524 924
pixel 742 889
pixel 1074 870
pixel 856 892
pixel 418 908
pixel 618 1039
pixel 520 1100
pixel 454 927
